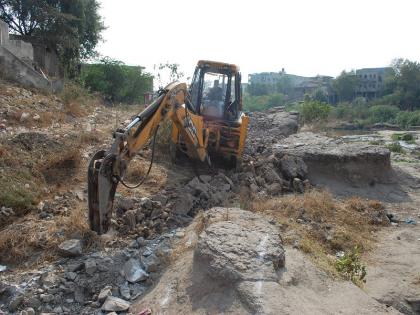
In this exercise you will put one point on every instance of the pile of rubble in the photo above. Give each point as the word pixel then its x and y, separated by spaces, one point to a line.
pixel 104 280
pixel 267 128
pixel 148 217
pixel 21 106
pixel 262 172
pixel 170 208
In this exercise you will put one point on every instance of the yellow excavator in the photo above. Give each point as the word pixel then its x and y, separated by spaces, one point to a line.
pixel 207 122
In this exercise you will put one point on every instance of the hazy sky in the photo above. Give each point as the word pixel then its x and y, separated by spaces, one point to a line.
pixel 306 37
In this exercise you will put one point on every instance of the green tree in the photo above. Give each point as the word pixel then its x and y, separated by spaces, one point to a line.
pixel 262 102
pixel 345 85
pixel 314 111
pixel 166 73
pixel 320 96
pixel 405 82
pixel 116 81
pixel 259 89
pixel 71 28
pixel 284 85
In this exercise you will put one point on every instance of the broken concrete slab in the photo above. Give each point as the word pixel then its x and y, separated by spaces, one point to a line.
pixel 71 248
pixel 240 246
pixel 133 271
pixel 114 304
pixel 343 168
pixel 322 154
pixel 105 292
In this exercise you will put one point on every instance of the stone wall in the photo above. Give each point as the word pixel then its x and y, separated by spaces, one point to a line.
pixel 21 50
pixel 18 62
pixel 15 69
pixel 4 33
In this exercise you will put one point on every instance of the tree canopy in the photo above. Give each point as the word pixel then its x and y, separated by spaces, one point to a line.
pixel 117 81
pixel 71 28
pixel 345 85
pixel 404 84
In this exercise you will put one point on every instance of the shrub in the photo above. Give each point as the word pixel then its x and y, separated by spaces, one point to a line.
pixel 360 112
pixel 383 113
pixel 408 119
pixel 73 92
pixel 351 112
pixel 395 147
pixel 259 103
pixel 407 137
pixel 350 266
pixel 312 111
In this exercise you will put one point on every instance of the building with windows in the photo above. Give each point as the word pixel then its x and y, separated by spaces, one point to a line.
pixel 371 82
pixel 266 77
pixel 297 85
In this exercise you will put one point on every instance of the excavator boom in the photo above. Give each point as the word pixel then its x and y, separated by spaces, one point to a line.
pixel 107 168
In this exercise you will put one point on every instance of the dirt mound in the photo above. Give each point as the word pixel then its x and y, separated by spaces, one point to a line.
pixel 266 128
pixel 247 275
pixel 31 141
pixel 355 163
pixel 345 168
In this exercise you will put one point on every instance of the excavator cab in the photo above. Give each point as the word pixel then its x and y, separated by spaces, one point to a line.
pixel 216 96
pixel 216 91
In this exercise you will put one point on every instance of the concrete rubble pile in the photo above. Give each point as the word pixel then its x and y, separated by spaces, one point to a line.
pixel 102 281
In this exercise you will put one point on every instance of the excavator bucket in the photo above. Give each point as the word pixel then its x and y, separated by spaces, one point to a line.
pixel 101 191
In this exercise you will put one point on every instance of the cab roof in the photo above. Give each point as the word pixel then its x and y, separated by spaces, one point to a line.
pixel 216 65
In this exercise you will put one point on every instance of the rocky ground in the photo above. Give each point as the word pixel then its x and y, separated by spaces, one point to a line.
pixel 167 255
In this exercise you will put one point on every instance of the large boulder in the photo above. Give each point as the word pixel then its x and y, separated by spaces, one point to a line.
pixel 133 271
pixel 114 304
pixel 70 248
pixel 284 123
pixel 266 128
pixel 352 160
pixel 240 246
pixel 292 166
pixel 344 168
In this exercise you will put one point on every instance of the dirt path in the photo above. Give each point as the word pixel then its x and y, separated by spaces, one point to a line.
pixel 394 266
pixel 394 269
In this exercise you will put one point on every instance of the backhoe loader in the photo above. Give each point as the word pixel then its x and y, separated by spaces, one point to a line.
pixel 207 122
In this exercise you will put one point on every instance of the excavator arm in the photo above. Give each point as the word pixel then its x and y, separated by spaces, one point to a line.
pixel 107 168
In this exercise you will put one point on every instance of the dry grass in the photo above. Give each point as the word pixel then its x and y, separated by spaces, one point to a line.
pixel 323 225
pixel 36 241
pixel 89 137
pixel 319 255
pixel 74 109
pixel 25 172
pixel 59 168
pixel 137 169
